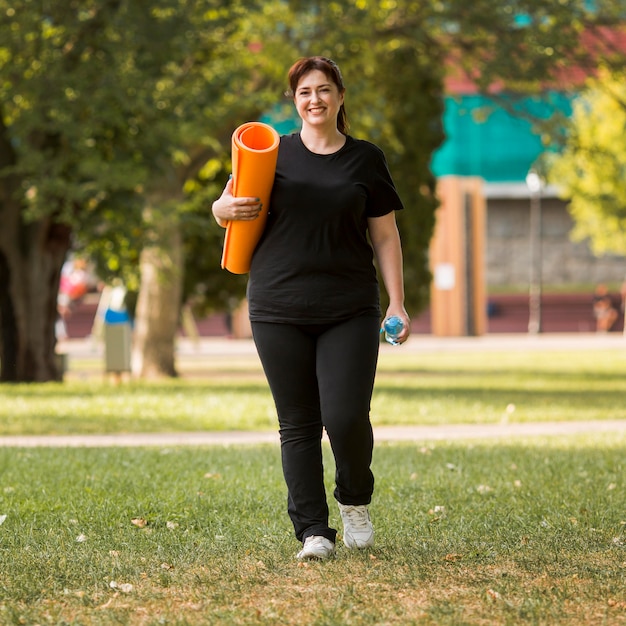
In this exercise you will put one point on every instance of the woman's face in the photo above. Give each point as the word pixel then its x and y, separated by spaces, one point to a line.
pixel 318 100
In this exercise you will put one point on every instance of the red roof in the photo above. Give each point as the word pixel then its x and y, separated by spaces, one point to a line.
pixel 599 43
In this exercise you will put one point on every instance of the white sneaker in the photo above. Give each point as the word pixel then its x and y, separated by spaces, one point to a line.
pixel 316 547
pixel 358 531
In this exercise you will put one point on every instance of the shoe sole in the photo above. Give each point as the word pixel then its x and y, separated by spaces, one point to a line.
pixel 354 545
pixel 314 557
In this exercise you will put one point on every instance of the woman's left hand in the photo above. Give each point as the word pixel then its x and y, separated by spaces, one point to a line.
pixel 406 321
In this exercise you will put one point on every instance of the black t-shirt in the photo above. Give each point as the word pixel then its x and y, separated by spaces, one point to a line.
pixel 314 262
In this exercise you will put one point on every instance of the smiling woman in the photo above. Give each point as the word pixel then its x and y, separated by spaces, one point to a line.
pixel 321 78
pixel 314 303
pixel 318 103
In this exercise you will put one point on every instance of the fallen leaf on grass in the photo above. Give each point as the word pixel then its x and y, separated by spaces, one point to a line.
pixel 438 512
pixel 616 604
pixel 494 595
pixel 139 522
pixel 452 557
pixel 497 597
pixel 123 587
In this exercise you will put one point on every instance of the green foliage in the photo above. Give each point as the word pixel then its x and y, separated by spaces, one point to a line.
pixel 106 102
pixel 72 99
pixel 591 170
pixel 415 138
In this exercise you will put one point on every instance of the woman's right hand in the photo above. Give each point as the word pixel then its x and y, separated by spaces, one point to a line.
pixel 227 207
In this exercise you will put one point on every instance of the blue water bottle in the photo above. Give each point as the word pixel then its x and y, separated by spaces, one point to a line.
pixel 393 327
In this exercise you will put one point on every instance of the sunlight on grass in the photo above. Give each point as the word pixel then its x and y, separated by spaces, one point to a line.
pixel 508 532
pixel 411 388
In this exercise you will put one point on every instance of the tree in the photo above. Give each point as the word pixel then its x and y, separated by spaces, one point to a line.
pixel 64 125
pixel 234 82
pixel 591 170
pixel 107 107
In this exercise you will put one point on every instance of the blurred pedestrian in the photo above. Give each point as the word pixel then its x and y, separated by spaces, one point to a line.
pixel 604 310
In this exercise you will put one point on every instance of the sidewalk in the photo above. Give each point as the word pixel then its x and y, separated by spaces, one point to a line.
pixel 221 346
pixel 447 432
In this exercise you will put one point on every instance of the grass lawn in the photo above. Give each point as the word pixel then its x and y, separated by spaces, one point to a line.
pixel 511 532
pixel 507 531
pixel 412 388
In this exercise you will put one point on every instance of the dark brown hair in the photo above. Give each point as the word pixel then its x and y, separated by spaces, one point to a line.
pixel 331 70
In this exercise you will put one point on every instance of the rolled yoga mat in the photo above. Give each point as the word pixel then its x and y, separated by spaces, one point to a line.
pixel 254 154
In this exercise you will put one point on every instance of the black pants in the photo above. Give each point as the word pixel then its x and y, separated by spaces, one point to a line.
pixel 322 376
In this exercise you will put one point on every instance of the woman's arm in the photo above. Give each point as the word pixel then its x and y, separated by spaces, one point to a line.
pixel 227 207
pixel 388 250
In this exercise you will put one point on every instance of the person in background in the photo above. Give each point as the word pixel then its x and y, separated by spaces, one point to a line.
pixel 603 310
pixel 73 285
pixel 622 293
pixel 314 304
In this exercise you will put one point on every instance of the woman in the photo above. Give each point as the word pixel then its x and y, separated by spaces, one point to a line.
pixel 314 302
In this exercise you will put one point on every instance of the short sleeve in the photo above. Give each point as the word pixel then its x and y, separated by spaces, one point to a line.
pixel 383 197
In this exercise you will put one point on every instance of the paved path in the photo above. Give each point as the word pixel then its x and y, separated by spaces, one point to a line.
pixel 219 346
pixel 384 433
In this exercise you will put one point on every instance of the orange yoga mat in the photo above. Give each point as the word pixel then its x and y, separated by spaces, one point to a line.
pixel 254 154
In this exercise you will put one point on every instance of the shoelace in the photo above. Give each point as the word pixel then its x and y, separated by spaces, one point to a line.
pixel 358 518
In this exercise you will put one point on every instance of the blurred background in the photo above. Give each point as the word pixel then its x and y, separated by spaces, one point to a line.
pixel 503 125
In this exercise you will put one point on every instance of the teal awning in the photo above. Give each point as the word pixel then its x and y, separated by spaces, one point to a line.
pixel 484 139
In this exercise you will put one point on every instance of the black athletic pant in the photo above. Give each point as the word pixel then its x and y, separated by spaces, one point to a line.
pixel 322 376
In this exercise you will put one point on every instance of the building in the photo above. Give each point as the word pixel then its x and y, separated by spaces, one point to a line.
pixel 486 139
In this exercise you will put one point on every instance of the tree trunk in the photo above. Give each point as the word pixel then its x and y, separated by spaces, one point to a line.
pixel 31 257
pixel 158 304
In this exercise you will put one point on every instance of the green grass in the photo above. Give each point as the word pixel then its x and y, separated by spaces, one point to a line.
pixel 522 531
pixel 411 388
pixel 489 387
pixel 519 531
